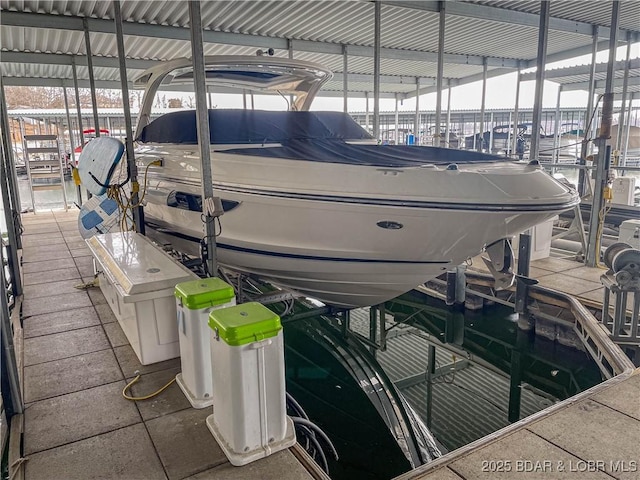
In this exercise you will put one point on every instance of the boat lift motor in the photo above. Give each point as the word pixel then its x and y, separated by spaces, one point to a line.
pixel 622 281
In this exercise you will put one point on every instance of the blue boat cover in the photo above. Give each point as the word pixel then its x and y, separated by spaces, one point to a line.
pixel 310 136
pixel 252 126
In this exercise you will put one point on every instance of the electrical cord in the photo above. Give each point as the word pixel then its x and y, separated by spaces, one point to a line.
pixel 144 397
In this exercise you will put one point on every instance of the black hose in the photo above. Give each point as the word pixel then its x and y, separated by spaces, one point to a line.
pixel 296 407
pixel 310 435
pixel 316 429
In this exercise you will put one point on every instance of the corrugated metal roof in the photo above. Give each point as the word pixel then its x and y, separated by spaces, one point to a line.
pixel 408 33
pixel 594 12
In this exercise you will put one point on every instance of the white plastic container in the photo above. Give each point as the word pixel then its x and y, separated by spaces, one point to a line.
pixel 541 235
pixel 138 279
pixel 194 301
pixel 249 418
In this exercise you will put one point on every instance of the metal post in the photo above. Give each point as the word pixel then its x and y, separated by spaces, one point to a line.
pixel 78 107
pixel 345 79
pixel 397 121
pixel 482 104
pixel 543 34
pixel 366 112
pixel 441 29
pixel 8 355
pixel 290 54
pixel 556 128
pixel 10 217
pixel 431 369
pixel 12 176
pixel 447 132
pixel 376 68
pixel 132 169
pixel 602 161
pixel 514 140
pixel 416 123
pixel 373 328
pixel 73 148
pixel 625 145
pixel 588 125
pixel 197 53
pixel 490 147
pixel 92 80
pixel 625 88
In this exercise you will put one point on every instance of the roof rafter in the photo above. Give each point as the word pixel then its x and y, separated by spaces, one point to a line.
pixel 141 64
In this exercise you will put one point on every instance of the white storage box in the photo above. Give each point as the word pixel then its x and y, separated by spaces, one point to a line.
pixel 194 301
pixel 630 233
pixel 138 279
pixel 249 418
pixel 624 190
pixel 541 235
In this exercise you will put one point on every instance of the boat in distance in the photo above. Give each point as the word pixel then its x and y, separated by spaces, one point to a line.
pixel 313 203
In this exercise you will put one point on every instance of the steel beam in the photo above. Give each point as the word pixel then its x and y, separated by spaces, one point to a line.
pixel 377 20
pixel 589 115
pixel 625 87
pixel 480 144
pixel 204 140
pixel 543 36
pixel 78 105
pixel 416 123
pixel 516 108
pixel 602 163
pixel 92 81
pixel 72 143
pixel 132 169
pixel 345 79
pixel 440 73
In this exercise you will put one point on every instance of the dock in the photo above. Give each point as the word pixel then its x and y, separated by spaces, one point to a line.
pixel 77 360
pixel 594 435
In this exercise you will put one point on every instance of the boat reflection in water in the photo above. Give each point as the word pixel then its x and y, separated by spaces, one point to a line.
pixel 485 374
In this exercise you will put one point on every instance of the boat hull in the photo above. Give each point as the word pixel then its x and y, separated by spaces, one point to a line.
pixel 342 250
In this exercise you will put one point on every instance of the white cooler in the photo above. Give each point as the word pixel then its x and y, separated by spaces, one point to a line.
pixel 194 301
pixel 138 279
pixel 249 418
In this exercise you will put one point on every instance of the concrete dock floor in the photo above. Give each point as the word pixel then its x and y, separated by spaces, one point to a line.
pixel 77 360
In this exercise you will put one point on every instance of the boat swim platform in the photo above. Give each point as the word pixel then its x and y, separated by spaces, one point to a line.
pixel 76 362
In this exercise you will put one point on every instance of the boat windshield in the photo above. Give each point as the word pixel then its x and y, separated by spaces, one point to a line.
pixel 283 76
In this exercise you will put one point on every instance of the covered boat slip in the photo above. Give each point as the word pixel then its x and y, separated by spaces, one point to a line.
pixel 312 136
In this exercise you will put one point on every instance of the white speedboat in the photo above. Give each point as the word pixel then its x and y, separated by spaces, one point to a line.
pixel 314 204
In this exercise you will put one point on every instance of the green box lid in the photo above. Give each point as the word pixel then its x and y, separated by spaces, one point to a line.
pixel 203 293
pixel 246 323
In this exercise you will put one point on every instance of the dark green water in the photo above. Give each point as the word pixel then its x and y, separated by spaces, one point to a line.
pixel 488 374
